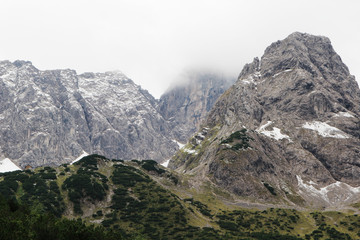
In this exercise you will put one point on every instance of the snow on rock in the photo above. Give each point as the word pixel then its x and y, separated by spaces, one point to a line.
pixel 84 154
pixel 263 127
pixel 6 165
pixel 252 78
pixel 335 192
pixel 178 143
pixel 166 163
pixel 325 130
pixel 277 74
pixel 343 114
pixel 190 151
pixel 248 80
pixel 275 133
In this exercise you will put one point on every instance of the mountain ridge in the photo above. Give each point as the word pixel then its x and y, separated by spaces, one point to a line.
pixel 294 116
pixel 54 116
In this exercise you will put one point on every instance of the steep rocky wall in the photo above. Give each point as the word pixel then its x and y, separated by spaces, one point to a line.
pixel 300 108
pixel 187 104
pixel 52 117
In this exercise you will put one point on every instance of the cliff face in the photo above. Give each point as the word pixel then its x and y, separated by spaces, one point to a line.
pixel 52 117
pixel 288 128
pixel 185 106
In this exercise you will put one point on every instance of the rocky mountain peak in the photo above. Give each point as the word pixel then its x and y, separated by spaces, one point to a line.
pixel 314 54
pixel 250 68
pixel 54 116
pixel 20 63
pixel 292 115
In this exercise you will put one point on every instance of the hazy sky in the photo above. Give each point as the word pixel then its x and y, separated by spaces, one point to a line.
pixel 153 41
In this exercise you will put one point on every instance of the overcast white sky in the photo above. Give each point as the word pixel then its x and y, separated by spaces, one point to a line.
pixel 152 42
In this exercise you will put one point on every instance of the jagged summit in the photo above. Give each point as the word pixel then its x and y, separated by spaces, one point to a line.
pixel 299 50
pixel 305 64
pixel 291 119
pixel 20 63
pixel 314 54
pixel 54 116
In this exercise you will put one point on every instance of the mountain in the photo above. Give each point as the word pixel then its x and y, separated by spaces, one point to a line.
pixel 53 117
pixel 186 104
pixel 286 132
pixel 99 198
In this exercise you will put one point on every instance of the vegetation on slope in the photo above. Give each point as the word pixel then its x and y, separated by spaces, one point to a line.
pixel 126 200
pixel 239 139
pixel 21 222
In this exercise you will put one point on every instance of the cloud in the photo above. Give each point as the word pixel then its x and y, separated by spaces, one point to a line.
pixel 153 41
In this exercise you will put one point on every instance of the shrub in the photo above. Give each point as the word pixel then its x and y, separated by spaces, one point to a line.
pixel 243 140
pixel 270 188
pixel 151 165
pixel 127 176
pixel 82 185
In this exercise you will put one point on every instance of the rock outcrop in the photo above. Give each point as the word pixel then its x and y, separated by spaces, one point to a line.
pixel 52 117
pixel 187 104
pixel 287 131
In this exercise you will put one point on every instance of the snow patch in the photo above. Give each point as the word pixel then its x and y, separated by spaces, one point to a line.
pixel 344 114
pixel 345 191
pixel 166 163
pixel 6 165
pixel 275 133
pixel 248 80
pixel 277 74
pixel 190 151
pixel 257 74
pixel 227 145
pixel 10 78
pixel 251 78
pixel 262 128
pixel 178 143
pixel 325 130
pixel 201 136
pixel 84 154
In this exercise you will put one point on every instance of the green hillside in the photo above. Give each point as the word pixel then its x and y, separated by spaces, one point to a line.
pixel 98 198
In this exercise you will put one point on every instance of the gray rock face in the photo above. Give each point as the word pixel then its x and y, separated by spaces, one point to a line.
pixel 52 117
pixel 186 106
pixel 300 110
